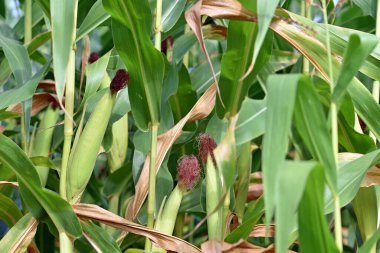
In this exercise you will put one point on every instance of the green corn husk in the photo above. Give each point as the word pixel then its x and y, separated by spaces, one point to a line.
pixel 43 139
pixel 365 207
pixel 83 158
pixel 244 164
pixel 213 196
pixel 118 151
pixel 166 221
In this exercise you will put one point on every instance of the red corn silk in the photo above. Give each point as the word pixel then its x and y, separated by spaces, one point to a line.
pixel 206 146
pixel 188 172
pixel 93 57
pixel 120 81
pixel 166 43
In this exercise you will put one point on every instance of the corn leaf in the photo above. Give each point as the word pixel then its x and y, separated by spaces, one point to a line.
pixel 280 103
pixel 314 234
pixel 20 235
pixel 311 125
pixel 350 177
pixel 58 209
pixel 357 51
pixel 9 212
pixel 131 29
pixel 63 23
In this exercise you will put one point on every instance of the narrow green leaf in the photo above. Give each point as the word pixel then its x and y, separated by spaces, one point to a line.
pixel 251 121
pixel 9 212
pixel 18 59
pixel 58 209
pixel 357 51
pixel 24 92
pixel 99 238
pixel 311 125
pixel 95 73
pixel 280 103
pixel 370 243
pixel 93 19
pixel 171 12
pixel 245 229
pixel 311 48
pixel 314 234
pixel 131 29
pixel 265 11
pixel 63 23
pixel 290 187
pixel 349 179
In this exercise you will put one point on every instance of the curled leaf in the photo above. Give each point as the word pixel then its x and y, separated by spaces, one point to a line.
pixel 168 242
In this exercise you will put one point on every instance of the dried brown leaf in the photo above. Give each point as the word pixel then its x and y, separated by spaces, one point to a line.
pixel 168 242
pixel 25 238
pixel 48 85
pixel 239 247
pixel 14 184
pixel 372 176
pixel 254 191
pixel 39 102
pixel 260 231
pixel 201 109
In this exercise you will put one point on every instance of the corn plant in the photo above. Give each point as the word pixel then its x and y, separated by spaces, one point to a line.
pixel 189 126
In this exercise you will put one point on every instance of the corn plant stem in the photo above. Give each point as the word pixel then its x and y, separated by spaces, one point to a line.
pixel 186 58
pixel 27 39
pixel 68 123
pixel 152 183
pixel 334 135
pixel 65 243
pixel 28 21
pixel 157 35
pixel 153 150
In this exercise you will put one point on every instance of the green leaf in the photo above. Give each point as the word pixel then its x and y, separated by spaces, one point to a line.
pixel 314 233
pixel 311 125
pixel 357 51
pixel 349 179
pixel 171 12
pixel 99 238
pixel 251 121
pixel 131 29
pixel 370 243
pixel 93 19
pixel 265 11
pixel 24 92
pixel 95 73
pixel 9 212
pixel 280 103
pixel 20 235
pixel 18 59
pixel 185 98
pixel 363 101
pixel 235 62
pixel 117 181
pixel 290 187
pixel 63 24
pixel 58 209
pixel 251 219
pixel 201 78
pixel 367 6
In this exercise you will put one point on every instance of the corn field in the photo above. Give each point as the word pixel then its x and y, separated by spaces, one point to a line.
pixel 189 126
